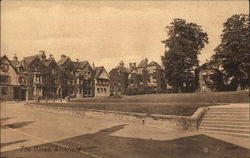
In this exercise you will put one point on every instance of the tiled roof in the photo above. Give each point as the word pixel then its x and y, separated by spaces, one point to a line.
pixel 29 59
pixel 98 71
pixel 48 61
pixel 62 61
pixel 143 63
pixel 121 68
pixel 80 64
pixel 15 63
pixel 153 63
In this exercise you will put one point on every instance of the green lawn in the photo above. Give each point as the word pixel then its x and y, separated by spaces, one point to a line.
pixel 171 104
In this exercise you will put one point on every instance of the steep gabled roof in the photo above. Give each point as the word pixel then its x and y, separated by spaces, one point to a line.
pixel 80 64
pixel 49 61
pixel 63 60
pixel 153 63
pixel 16 63
pixel 5 57
pixel 143 63
pixel 29 59
pixel 98 71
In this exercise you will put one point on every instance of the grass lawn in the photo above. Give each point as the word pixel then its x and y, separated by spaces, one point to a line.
pixel 172 104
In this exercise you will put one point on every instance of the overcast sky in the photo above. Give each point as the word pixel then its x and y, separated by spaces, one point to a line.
pixel 106 32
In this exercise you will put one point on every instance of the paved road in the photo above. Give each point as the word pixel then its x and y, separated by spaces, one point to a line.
pixel 31 133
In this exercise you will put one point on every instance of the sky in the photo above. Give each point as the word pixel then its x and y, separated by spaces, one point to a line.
pixel 106 32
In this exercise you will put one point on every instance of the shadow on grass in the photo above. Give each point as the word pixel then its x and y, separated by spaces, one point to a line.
pixel 105 145
pixel 17 124
pixel 13 142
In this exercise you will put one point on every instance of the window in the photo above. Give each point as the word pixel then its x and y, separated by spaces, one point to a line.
pixel 21 80
pixel 71 91
pixel 98 90
pixel 4 79
pixel 154 80
pixel 105 90
pixel 5 67
pixel 4 90
pixel 154 70
pixel 53 70
pixel 101 90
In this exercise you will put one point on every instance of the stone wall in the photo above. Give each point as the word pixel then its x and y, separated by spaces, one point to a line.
pixel 179 123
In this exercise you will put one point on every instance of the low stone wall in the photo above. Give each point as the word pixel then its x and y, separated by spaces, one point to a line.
pixel 180 123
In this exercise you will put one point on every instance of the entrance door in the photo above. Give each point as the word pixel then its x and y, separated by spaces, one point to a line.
pixel 16 93
pixel 23 94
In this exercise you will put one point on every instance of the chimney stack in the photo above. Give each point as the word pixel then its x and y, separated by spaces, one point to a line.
pixel 42 55
pixel 93 65
pixel 146 61
pixel 15 58
pixel 77 60
pixel 130 65
pixel 51 56
pixel 121 63
pixel 134 64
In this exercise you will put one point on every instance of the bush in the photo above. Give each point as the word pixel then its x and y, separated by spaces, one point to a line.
pixel 131 91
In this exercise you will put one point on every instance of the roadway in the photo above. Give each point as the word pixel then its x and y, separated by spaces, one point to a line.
pixel 30 133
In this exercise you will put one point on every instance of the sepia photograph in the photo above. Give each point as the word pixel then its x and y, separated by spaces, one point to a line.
pixel 124 79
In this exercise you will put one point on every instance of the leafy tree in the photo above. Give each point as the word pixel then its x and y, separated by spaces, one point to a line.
pixel 183 45
pixel 233 54
pixel 63 78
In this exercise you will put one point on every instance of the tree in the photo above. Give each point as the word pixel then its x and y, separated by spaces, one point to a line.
pixel 233 53
pixel 63 77
pixel 183 45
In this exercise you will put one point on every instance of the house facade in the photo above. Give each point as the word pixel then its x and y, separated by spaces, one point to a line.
pixel 118 79
pixel 80 78
pixel 101 82
pixel 13 79
pixel 142 78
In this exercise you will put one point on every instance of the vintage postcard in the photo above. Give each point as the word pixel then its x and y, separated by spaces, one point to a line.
pixel 124 79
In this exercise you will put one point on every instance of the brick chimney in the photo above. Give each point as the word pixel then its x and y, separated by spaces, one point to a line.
pixel 121 63
pixel 134 65
pixel 63 56
pixel 130 65
pixel 42 55
pixel 15 58
pixel 146 61
pixel 51 56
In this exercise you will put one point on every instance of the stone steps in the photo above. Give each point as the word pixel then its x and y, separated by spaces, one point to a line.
pixel 226 120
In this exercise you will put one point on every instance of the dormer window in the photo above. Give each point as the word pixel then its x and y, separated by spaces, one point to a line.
pixel 35 68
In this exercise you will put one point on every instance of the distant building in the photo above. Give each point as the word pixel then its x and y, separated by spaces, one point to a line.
pixel 102 82
pixel 118 79
pixel 144 77
pixel 206 83
pixel 149 75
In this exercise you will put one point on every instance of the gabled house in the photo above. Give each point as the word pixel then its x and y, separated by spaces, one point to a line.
pixel 102 82
pixel 80 76
pixel 84 79
pixel 146 75
pixel 11 84
pixel 36 73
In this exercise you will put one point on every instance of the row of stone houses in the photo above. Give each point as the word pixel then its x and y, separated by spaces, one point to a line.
pixel 39 76
pixel 145 77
